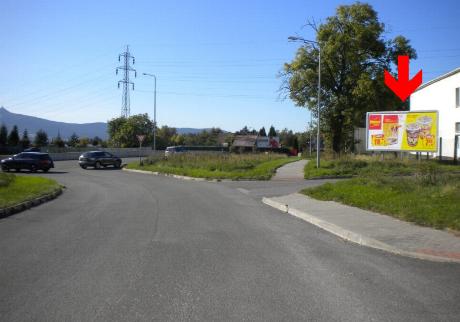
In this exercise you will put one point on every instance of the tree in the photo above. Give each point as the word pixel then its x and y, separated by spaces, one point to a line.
pixel 13 138
pixel 123 131
pixel 354 55
pixel 272 132
pixel 83 142
pixel 57 141
pixel 262 132
pixel 25 141
pixel 96 141
pixel 41 138
pixel 165 135
pixel 73 140
pixel 3 135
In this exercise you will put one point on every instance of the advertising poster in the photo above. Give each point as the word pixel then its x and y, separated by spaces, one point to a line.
pixel 402 131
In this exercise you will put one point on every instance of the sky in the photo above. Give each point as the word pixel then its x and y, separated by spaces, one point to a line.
pixel 217 62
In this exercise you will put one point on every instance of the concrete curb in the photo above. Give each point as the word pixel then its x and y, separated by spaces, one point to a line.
pixel 352 236
pixel 8 211
pixel 174 176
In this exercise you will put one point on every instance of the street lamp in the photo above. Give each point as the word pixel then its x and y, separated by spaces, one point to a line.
pixel 306 41
pixel 154 113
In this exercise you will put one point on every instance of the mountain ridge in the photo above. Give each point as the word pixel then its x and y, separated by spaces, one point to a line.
pixel 65 129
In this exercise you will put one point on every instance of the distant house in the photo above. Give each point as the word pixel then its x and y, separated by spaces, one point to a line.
pixel 245 142
pixel 442 94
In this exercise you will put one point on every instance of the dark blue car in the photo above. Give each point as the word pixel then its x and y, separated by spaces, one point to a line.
pixel 32 161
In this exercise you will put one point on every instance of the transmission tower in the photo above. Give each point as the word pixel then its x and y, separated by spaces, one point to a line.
pixel 126 68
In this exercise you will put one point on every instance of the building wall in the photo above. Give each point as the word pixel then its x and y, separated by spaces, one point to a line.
pixel 441 96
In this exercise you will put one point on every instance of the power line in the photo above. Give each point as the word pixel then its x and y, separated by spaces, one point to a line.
pixel 126 68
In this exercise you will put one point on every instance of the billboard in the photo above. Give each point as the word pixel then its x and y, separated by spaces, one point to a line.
pixel 402 131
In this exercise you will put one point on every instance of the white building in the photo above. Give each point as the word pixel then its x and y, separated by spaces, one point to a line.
pixel 442 94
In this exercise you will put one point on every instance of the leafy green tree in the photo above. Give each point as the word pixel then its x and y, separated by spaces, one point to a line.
pixel 41 138
pixel 164 136
pixel 272 132
pixel 25 141
pixel 123 131
pixel 354 55
pixel 73 140
pixel 262 132
pixel 3 135
pixel 83 142
pixel 58 141
pixel 96 141
pixel 13 138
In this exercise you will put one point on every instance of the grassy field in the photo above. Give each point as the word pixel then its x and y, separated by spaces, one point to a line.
pixel 17 189
pixel 217 166
pixel 368 166
pixel 426 193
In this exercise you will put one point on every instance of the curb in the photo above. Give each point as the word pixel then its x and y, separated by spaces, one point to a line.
pixel 8 211
pixel 154 173
pixel 352 236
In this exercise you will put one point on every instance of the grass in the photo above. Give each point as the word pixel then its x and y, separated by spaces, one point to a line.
pixel 367 166
pixel 17 189
pixel 427 194
pixel 217 166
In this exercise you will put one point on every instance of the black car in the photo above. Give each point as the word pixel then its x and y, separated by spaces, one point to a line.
pixel 98 159
pixel 32 161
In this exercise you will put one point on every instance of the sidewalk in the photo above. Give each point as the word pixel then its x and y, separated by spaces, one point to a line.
pixel 290 172
pixel 371 229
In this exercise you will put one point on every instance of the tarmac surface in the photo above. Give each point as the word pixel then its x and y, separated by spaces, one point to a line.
pixel 120 246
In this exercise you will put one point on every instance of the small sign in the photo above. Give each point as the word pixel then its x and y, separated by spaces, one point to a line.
pixel 140 137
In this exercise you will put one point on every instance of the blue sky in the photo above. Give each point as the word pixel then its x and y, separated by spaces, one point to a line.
pixel 216 61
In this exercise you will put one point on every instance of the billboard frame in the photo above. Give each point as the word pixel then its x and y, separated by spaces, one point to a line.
pixel 402 112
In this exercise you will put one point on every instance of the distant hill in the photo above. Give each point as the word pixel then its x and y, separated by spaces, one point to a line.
pixel 33 124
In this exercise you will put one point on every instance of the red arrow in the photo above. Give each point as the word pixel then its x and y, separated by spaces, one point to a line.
pixel 403 87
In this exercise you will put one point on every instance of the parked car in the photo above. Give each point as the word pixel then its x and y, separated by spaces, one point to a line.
pixel 174 149
pixel 98 159
pixel 32 161
pixel 32 149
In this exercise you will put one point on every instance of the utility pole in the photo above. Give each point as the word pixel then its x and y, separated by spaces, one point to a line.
pixel 126 68
pixel 154 111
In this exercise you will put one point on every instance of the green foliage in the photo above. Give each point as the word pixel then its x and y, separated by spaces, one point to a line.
pixel 3 135
pixel 272 132
pixel 262 132
pixel 217 166
pixel 58 141
pixel 41 138
pixel 123 131
pixel 354 55
pixel 17 189
pixel 96 141
pixel 13 138
pixel 73 140
pixel 25 141
pixel 289 139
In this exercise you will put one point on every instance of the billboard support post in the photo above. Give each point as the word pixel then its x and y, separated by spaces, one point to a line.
pixel 440 149
pixel 455 149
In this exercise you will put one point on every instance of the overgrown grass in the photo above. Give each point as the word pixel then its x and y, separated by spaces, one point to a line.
pixel 429 196
pixel 217 166
pixel 17 189
pixel 368 166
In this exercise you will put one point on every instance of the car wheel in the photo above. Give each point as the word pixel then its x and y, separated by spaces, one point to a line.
pixel 117 164
pixel 97 165
pixel 46 169
pixel 33 168
pixel 18 169
pixel 83 167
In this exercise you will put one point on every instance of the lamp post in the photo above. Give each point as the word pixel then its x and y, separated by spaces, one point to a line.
pixel 306 41
pixel 154 112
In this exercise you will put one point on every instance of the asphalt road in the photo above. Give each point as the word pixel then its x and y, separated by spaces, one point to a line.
pixel 119 246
